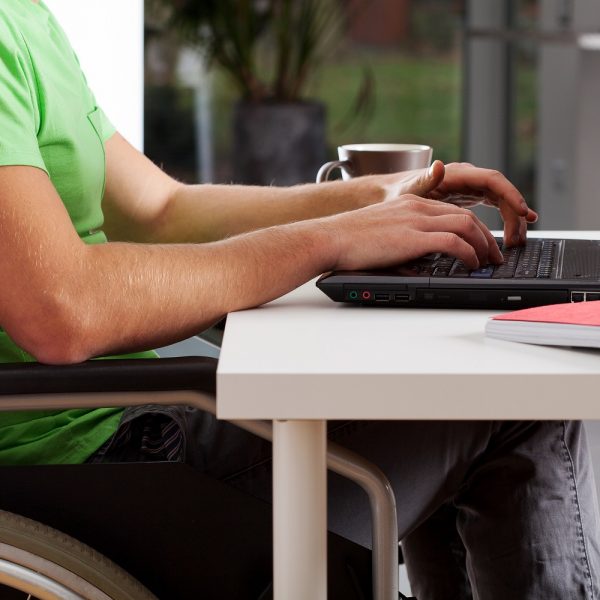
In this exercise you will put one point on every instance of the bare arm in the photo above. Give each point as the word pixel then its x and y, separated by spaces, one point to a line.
pixel 142 203
pixel 63 301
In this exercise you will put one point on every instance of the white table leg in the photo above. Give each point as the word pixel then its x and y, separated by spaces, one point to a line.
pixel 300 510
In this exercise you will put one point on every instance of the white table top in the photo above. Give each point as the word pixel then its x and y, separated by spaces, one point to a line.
pixel 306 357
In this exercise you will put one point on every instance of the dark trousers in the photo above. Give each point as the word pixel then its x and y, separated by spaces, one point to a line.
pixel 489 510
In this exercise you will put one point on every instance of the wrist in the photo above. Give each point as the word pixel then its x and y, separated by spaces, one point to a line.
pixel 320 243
pixel 373 189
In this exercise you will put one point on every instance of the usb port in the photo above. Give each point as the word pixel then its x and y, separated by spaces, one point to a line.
pixel 577 296
pixel 402 297
pixel 382 297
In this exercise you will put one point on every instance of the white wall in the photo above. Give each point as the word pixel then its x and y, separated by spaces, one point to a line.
pixel 108 36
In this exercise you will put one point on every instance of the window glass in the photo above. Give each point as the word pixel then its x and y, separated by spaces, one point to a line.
pixel 524 99
pixel 392 73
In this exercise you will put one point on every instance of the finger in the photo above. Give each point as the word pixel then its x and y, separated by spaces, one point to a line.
pixel 426 180
pixel 465 227
pixel 512 221
pixel 494 255
pixel 449 243
pixel 512 224
pixel 435 175
pixel 523 230
pixel 495 252
pixel 532 216
pixel 464 200
pixel 462 178
pixel 430 205
pixel 515 227
pixel 488 199
pixel 513 234
pixel 425 206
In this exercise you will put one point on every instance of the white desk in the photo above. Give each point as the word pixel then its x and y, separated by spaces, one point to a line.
pixel 303 359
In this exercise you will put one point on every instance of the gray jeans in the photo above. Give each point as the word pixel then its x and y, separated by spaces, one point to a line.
pixel 486 510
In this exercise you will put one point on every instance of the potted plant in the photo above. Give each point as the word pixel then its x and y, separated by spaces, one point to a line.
pixel 270 49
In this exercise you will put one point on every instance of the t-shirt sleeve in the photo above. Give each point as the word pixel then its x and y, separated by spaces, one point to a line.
pixel 107 129
pixel 19 111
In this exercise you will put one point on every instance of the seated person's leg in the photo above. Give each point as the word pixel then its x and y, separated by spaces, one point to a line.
pixel 435 556
pixel 528 514
pixel 524 494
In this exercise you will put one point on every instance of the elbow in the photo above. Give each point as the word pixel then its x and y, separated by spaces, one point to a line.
pixel 60 348
pixel 56 333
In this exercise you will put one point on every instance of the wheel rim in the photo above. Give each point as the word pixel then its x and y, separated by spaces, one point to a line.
pixel 70 586
pixel 31 582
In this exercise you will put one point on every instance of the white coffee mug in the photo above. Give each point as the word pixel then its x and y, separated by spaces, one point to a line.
pixel 376 159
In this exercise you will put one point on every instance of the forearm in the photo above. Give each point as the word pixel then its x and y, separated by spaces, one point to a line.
pixel 204 213
pixel 127 297
pixel 64 301
pixel 143 204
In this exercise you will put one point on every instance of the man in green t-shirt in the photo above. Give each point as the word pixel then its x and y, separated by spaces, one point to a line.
pixel 70 181
pixel 103 253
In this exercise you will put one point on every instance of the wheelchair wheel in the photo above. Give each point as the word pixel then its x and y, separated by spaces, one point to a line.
pixel 38 562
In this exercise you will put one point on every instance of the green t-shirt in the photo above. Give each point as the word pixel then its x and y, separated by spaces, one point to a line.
pixel 49 119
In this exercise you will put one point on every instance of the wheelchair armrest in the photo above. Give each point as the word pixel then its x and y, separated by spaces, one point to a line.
pixel 115 375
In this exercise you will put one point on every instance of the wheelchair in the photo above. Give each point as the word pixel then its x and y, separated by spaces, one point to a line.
pixel 157 530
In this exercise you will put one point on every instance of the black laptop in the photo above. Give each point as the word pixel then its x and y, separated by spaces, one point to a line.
pixel 545 271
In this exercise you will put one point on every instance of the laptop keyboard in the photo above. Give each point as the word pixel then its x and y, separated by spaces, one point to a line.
pixel 533 261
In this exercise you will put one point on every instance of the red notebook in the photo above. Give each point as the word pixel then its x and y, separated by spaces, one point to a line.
pixel 572 324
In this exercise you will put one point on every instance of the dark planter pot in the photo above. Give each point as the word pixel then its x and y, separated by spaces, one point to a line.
pixel 278 144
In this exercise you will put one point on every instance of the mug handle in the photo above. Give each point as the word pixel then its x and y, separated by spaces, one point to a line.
pixel 327 168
